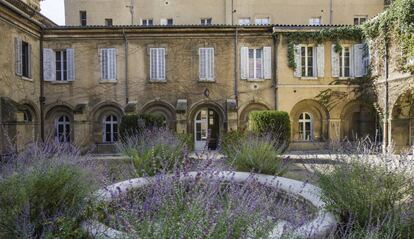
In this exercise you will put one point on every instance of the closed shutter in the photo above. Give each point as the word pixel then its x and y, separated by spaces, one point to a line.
pixel 210 68
pixel 18 56
pixel 206 63
pixel 298 61
pixel 359 50
pixel 334 62
pixel 70 61
pixel 113 64
pixel 153 59
pixel 267 58
pixel 320 60
pixel 161 60
pixel 102 63
pixel 314 62
pixel 29 61
pixel 49 65
pixel 202 67
pixel 244 63
pixel 157 64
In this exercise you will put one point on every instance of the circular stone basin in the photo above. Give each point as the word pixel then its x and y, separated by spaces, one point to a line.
pixel 321 226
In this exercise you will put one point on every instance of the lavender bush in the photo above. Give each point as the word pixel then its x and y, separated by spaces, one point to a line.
pixel 154 150
pixel 43 191
pixel 204 208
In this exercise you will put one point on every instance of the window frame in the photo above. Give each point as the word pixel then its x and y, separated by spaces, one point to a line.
pixel 207 76
pixel 157 71
pixel 113 133
pixel 312 21
pixel 255 62
pixel 360 20
pixel 303 127
pixel 65 123
pixel 83 18
pixel 342 65
pixel 306 65
pixel 242 19
pixel 63 72
pixel 206 21
pixel 261 20
pixel 147 22
pixel 108 22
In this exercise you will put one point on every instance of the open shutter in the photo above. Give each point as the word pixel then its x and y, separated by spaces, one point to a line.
pixel 298 62
pixel 244 63
pixel 70 59
pixel 49 65
pixel 334 62
pixel 267 58
pixel 18 56
pixel 29 61
pixel 359 69
pixel 320 60
pixel 202 59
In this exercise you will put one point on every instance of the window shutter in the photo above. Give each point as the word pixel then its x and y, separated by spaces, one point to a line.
pixel 320 60
pixel 70 60
pixel 101 62
pixel 152 63
pixel 161 64
pixel 298 61
pixel 244 63
pixel 359 60
pixel 18 56
pixel 210 64
pixel 202 59
pixel 352 61
pixel 267 58
pixel 113 63
pixel 335 62
pixel 49 65
pixel 29 61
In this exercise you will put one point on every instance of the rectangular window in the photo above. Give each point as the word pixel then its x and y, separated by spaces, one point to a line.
pixel 359 20
pixel 262 21
pixel 167 22
pixel 108 22
pixel 26 59
pixel 157 64
pixel 147 22
pixel 307 58
pixel 244 21
pixel 108 64
pixel 256 63
pixel 61 66
pixel 83 18
pixel 344 62
pixel 206 63
pixel 315 21
pixel 206 21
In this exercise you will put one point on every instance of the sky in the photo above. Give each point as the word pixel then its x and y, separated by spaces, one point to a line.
pixel 54 9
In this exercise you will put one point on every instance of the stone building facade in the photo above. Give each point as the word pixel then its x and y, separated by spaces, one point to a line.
pixel 178 12
pixel 200 78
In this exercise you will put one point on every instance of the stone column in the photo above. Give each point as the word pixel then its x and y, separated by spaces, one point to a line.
pixel 334 129
pixel 181 116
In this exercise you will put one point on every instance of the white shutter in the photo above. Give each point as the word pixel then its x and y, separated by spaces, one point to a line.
pixel 267 58
pixel 113 63
pixel 314 62
pixel 244 63
pixel 49 65
pixel 18 56
pixel 101 63
pixel 70 61
pixel 152 63
pixel 351 61
pixel 210 64
pixel 359 60
pixel 161 59
pixel 298 62
pixel 202 59
pixel 334 62
pixel 29 61
pixel 320 60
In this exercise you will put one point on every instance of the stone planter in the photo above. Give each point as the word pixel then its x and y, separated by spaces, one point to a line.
pixel 322 225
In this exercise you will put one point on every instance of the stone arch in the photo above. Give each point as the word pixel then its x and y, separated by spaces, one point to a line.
pixel 99 114
pixel 402 123
pixel 319 114
pixel 359 120
pixel 251 107
pixel 8 130
pixel 52 115
pixel 163 108
pixel 29 123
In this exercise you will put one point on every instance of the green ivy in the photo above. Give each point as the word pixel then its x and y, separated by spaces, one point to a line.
pixel 394 25
pixel 333 34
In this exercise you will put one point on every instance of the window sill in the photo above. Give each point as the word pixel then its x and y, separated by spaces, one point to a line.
pixel 152 81
pixel 346 78
pixel 108 82
pixel 309 78
pixel 255 80
pixel 27 79
pixel 206 80
pixel 60 82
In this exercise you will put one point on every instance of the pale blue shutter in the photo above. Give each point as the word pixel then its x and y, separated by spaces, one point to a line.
pixel 70 59
pixel 267 63
pixel 298 61
pixel 18 56
pixel 202 64
pixel 244 63
pixel 334 62
pixel 49 65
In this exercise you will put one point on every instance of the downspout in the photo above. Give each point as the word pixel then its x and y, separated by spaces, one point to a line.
pixel 42 91
pixel 126 67
pixel 236 72
pixel 386 113
pixel 330 12
pixel 275 69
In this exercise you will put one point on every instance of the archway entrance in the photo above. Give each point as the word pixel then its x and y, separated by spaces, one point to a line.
pixel 206 129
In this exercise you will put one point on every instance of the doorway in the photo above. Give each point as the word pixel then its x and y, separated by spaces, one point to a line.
pixel 206 130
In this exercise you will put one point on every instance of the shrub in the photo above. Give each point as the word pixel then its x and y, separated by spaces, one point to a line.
pixel 46 202
pixel 154 150
pixel 272 122
pixel 229 139
pixel 132 124
pixel 257 154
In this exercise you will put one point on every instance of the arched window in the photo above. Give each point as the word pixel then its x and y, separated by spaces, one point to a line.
pixel 110 129
pixel 305 127
pixel 63 129
pixel 27 116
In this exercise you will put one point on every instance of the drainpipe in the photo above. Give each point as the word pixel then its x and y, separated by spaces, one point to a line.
pixel 42 91
pixel 126 67
pixel 275 69
pixel 330 12
pixel 386 100
pixel 236 72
